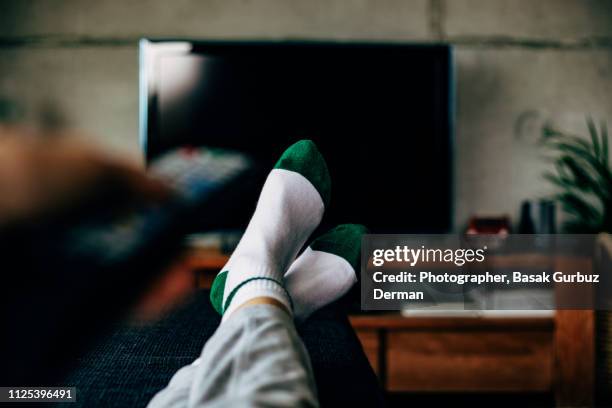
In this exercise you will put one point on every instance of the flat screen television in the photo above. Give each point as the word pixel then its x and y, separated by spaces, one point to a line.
pixel 381 114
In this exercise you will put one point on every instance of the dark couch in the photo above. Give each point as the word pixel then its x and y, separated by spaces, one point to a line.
pixel 132 363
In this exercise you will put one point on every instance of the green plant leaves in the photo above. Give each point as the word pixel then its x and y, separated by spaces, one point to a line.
pixel 594 136
pixel 583 175
pixel 605 153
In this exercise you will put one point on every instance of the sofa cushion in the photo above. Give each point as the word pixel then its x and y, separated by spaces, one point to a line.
pixel 132 363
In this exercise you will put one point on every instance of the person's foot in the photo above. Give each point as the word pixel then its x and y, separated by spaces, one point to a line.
pixel 326 270
pixel 290 207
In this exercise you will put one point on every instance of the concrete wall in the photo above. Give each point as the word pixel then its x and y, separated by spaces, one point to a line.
pixel 519 63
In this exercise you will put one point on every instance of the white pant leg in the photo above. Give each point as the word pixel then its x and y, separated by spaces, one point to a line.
pixel 255 358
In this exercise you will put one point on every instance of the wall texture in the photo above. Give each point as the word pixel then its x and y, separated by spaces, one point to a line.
pixel 519 63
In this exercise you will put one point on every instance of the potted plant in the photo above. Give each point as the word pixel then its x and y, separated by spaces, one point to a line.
pixel 583 175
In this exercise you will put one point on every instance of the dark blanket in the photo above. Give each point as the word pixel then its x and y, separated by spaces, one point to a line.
pixel 134 362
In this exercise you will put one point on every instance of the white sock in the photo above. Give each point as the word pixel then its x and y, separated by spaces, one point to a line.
pixel 317 278
pixel 288 211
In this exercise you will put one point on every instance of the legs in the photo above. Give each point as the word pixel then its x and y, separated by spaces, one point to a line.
pixel 256 357
pixel 290 207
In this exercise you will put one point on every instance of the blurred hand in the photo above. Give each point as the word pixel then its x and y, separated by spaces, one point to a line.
pixel 48 177
pixel 45 177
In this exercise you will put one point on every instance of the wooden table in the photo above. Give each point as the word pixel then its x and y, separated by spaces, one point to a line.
pixel 483 354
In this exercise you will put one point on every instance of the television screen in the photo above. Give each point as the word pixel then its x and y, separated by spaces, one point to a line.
pixel 381 114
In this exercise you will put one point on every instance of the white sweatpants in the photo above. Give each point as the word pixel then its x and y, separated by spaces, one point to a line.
pixel 255 358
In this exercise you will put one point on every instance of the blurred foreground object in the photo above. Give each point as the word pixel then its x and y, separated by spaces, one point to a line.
pixel 52 303
pixel 44 177
pixel 84 236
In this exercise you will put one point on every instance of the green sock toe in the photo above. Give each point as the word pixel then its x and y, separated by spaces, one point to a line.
pixel 344 241
pixel 303 157
pixel 216 291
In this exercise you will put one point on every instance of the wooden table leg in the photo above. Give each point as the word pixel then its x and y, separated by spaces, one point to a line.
pixel 574 349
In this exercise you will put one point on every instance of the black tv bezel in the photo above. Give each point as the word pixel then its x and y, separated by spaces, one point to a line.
pixel 149 49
